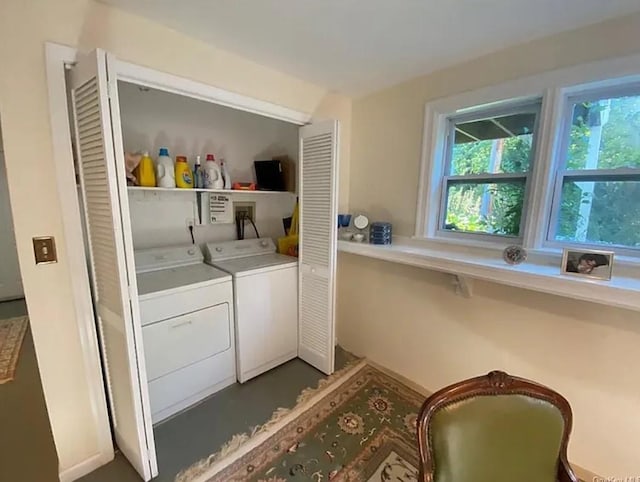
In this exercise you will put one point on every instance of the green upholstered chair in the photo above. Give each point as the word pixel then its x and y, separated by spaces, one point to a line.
pixel 495 428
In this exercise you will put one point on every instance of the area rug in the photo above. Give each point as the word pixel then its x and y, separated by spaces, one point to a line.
pixel 359 426
pixel 12 332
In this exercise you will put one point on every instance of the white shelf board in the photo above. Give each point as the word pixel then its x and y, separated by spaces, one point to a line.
pixel 216 191
pixel 620 291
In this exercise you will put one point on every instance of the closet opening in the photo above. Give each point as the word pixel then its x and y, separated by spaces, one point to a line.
pixel 215 319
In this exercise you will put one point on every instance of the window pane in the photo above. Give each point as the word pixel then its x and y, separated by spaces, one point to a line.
pixel 602 212
pixel 495 145
pixel 485 208
pixel 605 134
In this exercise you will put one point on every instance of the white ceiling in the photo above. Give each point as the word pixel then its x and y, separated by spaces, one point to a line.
pixel 357 46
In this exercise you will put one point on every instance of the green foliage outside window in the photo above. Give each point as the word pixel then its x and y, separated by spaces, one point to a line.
pixel 614 216
pixel 507 199
pixel 615 206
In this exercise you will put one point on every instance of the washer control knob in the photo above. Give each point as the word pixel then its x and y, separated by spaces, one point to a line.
pixel 191 251
pixel 219 249
pixel 263 244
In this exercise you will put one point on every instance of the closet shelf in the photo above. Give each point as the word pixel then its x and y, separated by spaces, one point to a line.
pixel 215 191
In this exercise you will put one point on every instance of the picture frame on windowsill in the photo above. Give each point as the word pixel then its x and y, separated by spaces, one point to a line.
pixel 587 263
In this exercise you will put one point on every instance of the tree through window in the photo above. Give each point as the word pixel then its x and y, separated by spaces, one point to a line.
pixel 598 183
pixel 486 175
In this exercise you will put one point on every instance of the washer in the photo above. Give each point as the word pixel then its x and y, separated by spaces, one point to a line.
pixel 186 308
pixel 266 302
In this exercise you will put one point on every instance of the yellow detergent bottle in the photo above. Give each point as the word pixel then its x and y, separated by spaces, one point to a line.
pixel 184 176
pixel 145 172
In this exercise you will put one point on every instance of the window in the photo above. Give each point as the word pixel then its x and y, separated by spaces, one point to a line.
pixel 546 162
pixel 487 167
pixel 597 188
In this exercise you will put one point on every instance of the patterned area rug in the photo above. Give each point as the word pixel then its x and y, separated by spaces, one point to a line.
pixel 12 332
pixel 362 427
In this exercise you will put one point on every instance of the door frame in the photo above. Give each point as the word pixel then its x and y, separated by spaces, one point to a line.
pixel 57 58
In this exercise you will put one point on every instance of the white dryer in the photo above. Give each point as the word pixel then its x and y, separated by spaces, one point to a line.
pixel 186 308
pixel 266 302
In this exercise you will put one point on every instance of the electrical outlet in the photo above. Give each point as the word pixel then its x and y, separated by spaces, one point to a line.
pixel 189 222
pixel 248 208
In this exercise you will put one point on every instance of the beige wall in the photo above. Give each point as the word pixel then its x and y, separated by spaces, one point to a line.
pixel 409 320
pixel 24 28
pixel 337 106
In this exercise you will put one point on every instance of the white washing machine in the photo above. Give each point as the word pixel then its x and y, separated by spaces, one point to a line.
pixel 266 302
pixel 186 308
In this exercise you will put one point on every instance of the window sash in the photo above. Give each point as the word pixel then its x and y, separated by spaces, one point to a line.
pixel 528 106
pixel 509 178
pixel 514 108
pixel 591 95
pixel 586 175
pixel 486 178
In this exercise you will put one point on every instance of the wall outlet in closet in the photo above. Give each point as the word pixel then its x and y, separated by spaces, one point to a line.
pixel 246 208
pixel 189 223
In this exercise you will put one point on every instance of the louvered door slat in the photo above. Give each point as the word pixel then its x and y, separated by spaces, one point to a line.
pixel 318 180
pixel 99 209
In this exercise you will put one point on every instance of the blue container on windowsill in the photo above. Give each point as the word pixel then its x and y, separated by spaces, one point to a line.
pixel 380 233
pixel 344 220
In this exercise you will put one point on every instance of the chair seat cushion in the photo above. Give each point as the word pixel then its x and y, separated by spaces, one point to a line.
pixel 497 438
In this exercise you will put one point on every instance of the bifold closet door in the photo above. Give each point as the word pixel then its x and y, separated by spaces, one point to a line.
pixel 97 131
pixel 318 244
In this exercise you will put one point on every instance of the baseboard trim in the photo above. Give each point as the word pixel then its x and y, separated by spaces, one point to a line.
pixel 85 467
pixel 411 384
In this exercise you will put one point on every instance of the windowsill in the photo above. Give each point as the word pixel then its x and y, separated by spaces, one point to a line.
pixel 537 274
pixel 547 254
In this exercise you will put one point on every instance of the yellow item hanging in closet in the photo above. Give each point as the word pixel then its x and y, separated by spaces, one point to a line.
pixel 146 172
pixel 294 221
pixel 289 244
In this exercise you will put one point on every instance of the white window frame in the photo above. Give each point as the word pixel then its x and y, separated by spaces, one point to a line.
pixel 506 108
pixel 559 164
pixel 555 88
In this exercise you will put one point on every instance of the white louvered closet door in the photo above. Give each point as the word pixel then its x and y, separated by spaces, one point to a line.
pixel 113 274
pixel 318 244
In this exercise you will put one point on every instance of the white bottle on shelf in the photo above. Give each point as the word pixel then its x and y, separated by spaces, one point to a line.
pixel 225 174
pixel 165 172
pixel 212 174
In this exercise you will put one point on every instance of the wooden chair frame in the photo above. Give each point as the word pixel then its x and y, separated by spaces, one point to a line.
pixel 494 383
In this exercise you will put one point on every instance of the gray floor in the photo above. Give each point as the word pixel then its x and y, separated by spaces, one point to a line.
pixel 201 430
pixel 27 449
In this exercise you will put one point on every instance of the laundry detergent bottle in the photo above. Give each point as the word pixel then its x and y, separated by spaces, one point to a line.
pixel 165 171
pixel 212 174
pixel 145 172
pixel 184 176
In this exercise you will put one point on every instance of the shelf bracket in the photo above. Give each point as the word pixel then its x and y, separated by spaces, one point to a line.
pixel 463 285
